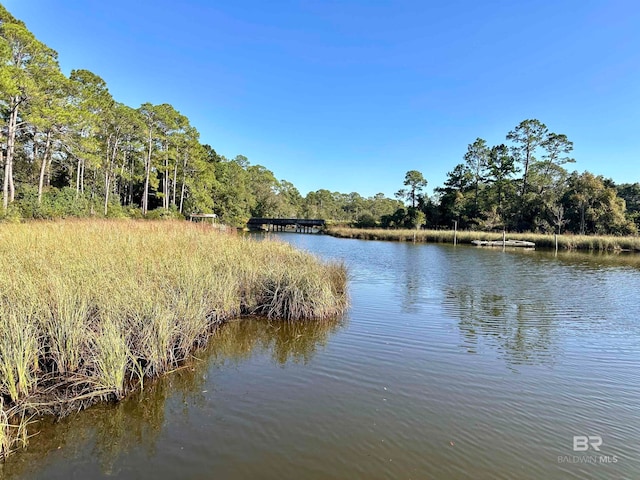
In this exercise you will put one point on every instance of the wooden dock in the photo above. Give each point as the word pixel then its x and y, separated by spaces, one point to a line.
pixel 195 217
pixel 299 225
pixel 503 243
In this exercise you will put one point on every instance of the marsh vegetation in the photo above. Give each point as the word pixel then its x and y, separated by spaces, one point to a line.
pixel 565 242
pixel 90 309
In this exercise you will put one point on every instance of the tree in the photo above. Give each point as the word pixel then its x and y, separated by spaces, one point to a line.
pixel 49 114
pixel 630 193
pixel 121 125
pixel 453 195
pixel 416 182
pixel 595 207
pixel 92 108
pixel 23 59
pixel 527 136
pixel 500 168
pixel 380 205
pixel 233 198
pixel 476 159
pixel 320 204
pixel 290 200
pixel 199 184
pixel 162 122
pixel 556 147
pixel 264 188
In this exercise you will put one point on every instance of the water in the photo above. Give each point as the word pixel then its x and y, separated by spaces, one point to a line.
pixel 452 363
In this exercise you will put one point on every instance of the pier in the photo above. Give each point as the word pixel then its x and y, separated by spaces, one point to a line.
pixel 299 225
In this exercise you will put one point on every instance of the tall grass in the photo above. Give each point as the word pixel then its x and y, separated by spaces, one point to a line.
pixel 88 309
pixel 567 242
pixel 19 351
pixel 13 431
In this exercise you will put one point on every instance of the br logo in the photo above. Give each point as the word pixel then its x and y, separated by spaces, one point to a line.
pixel 582 443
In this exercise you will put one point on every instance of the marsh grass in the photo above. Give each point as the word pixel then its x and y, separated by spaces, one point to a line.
pixel 565 242
pixel 19 351
pixel 13 431
pixel 88 309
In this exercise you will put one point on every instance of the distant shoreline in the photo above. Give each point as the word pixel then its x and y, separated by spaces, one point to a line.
pixel 600 243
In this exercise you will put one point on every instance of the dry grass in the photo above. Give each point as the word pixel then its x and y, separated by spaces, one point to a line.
pixel 566 242
pixel 88 309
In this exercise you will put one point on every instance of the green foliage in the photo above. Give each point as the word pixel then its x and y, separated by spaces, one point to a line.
pixel 72 150
pixel 93 307
pixel 594 207
pixel 162 214
pixel 416 182
pixel 366 220
pixel 565 242
pixel 55 203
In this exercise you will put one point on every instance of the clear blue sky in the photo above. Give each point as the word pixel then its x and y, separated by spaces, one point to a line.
pixel 350 95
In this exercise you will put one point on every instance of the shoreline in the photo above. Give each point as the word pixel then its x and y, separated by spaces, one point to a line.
pixel 601 243
pixel 91 309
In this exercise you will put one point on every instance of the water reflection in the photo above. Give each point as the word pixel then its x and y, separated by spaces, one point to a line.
pixel 525 305
pixel 295 342
pixel 509 301
pixel 523 333
pixel 596 260
pixel 419 269
pixel 106 433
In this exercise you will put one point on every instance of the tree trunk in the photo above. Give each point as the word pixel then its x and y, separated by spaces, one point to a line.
pixel 43 166
pixel 119 192
pixel 184 176
pixel 131 184
pixel 165 186
pixel 5 188
pixel 93 192
pixel 147 173
pixel 82 165
pixel 107 185
pixel 526 171
pixel 175 184
pixel 109 174
pixel 47 175
pixel 11 142
pixel 78 178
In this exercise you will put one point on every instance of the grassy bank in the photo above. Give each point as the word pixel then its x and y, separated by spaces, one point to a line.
pixel 89 309
pixel 566 242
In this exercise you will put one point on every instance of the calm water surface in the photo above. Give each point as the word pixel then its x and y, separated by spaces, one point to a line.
pixel 452 363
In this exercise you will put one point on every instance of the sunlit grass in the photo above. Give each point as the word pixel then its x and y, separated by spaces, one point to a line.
pixel 19 351
pixel 88 309
pixel 13 431
pixel 565 242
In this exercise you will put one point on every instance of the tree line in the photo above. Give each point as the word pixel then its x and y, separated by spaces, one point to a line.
pixel 68 148
pixel 521 185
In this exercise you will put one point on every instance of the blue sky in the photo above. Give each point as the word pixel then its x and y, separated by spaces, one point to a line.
pixel 350 95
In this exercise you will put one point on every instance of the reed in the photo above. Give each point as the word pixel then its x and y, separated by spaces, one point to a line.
pixel 88 309
pixel 13 431
pixel 19 351
pixel 566 242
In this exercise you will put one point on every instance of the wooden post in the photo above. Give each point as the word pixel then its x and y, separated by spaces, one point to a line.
pixel 556 240
pixel 455 232
pixel 504 238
